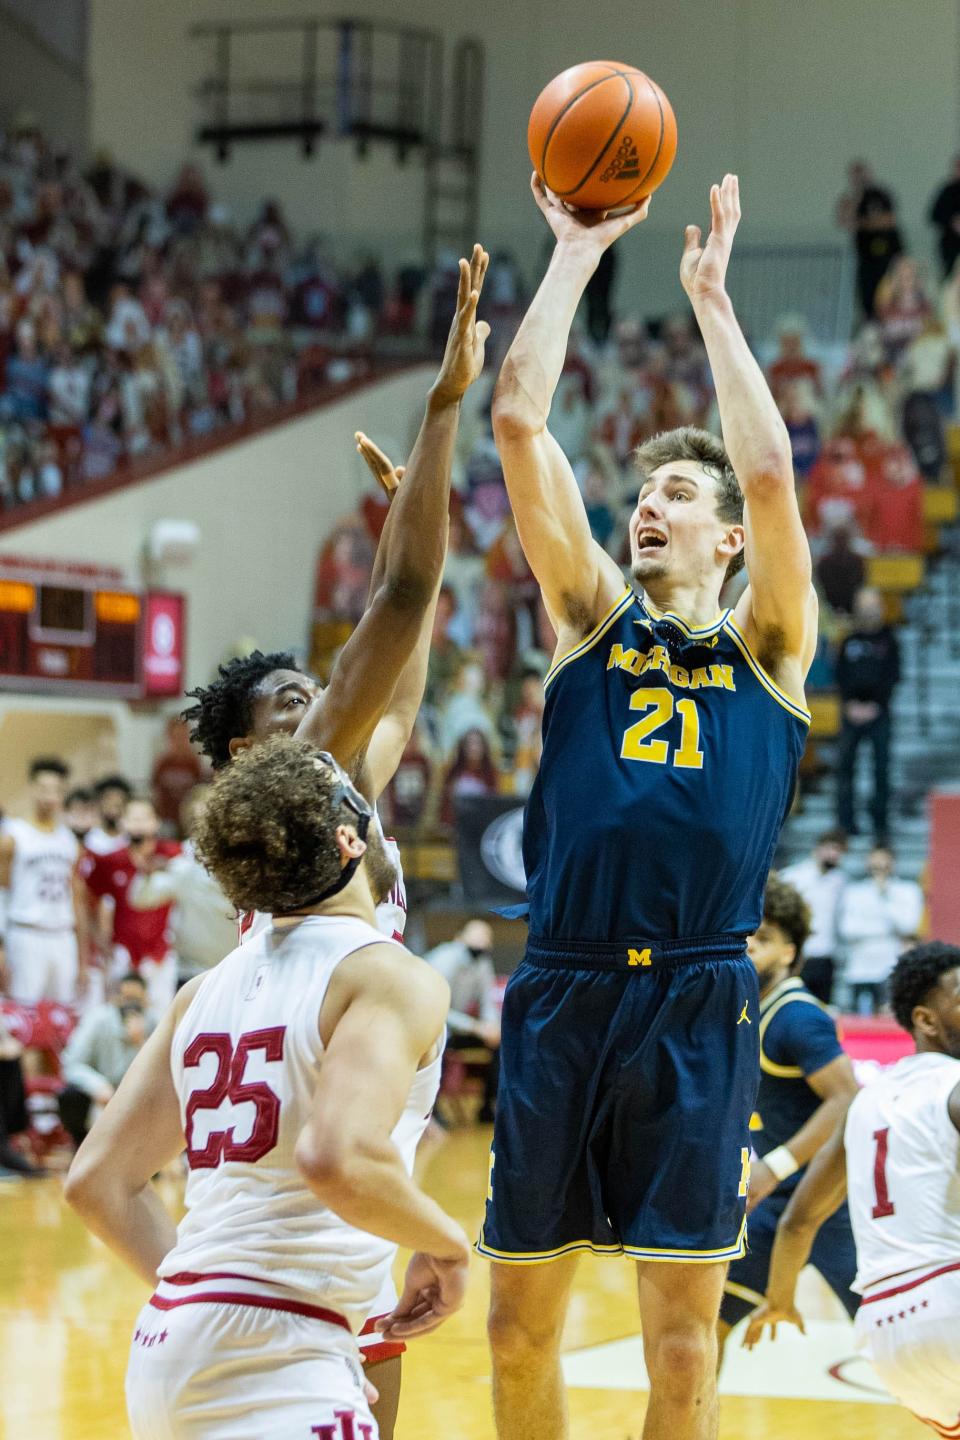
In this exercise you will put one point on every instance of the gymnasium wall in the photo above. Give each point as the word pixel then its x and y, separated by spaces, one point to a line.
pixel 263 507
pixel 42 73
pixel 783 93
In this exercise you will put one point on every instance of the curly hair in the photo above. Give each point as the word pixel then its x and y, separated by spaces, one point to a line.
pixel 267 833
pixel 786 908
pixel 224 708
pixel 916 973
pixel 705 450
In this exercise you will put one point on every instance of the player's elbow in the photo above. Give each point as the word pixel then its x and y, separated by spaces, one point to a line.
pixel 326 1161
pixel 514 415
pixel 409 590
pixel 84 1186
pixel 768 473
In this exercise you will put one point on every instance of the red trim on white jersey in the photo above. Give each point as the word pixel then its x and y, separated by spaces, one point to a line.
pixel 910 1284
pixel 375 1348
pixel 243 1290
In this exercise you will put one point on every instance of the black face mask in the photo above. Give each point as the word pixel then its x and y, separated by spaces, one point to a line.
pixel 476 954
pixel 830 864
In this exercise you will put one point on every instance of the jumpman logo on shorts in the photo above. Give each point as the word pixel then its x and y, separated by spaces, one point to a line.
pixel 744 1015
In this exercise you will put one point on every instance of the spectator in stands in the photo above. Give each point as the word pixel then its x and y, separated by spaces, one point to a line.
pixel 446 656
pixel 465 707
pixel 188 201
pixel 867 670
pixel 792 362
pixel 112 795
pixel 408 793
pixel 902 306
pixel 100 1052
pixel 926 382
pixel 203 922
pixel 527 727
pixel 463 577
pixel 472 772
pixel 945 218
pixel 25 395
pixel 820 879
pixel 177 772
pixel 466 963
pixel 79 812
pixel 798 408
pixel 869 213
pixel 840 569
pixel 880 915
pixel 131 938
pixel 13 1109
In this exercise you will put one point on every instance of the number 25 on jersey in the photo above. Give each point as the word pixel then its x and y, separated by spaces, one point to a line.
pixel 229 1087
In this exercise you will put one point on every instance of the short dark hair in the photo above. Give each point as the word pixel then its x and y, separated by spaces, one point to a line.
pixel 224 708
pixel 267 830
pixel 79 795
pixel 785 907
pixel 48 765
pixel 112 782
pixel 916 973
pixel 836 836
pixel 705 450
pixel 133 977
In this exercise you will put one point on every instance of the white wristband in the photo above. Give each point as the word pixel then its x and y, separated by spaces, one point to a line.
pixel 782 1162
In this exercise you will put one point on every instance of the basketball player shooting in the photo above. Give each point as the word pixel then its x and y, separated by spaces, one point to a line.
pixel 896 1155
pixel 671 738
pixel 299 1075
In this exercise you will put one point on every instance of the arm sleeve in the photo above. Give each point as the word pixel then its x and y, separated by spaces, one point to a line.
pixel 79 1056
pixel 802 1034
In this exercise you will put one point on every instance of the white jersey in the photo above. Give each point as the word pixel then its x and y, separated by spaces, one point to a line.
pixel 903 1170
pixel 41 876
pixel 391 913
pixel 245 1059
pixel 98 842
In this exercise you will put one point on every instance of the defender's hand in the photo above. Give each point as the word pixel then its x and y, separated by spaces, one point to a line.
pixel 432 1291
pixel 772 1315
pixel 383 470
pixel 703 269
pixel 463 357
pixel 591 230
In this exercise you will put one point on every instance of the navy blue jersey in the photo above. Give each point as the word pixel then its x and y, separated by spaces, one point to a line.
pixel 669 764
pixel 798 1036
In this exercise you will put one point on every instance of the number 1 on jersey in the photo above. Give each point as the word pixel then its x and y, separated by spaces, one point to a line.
pixel 884 1205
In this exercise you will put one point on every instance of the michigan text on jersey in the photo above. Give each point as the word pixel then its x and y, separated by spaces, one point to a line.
pixel 703 677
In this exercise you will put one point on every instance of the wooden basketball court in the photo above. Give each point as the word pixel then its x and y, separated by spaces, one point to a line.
pixel 67 1307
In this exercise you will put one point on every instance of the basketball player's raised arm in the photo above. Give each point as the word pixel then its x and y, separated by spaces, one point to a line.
pixel 382 1017
pixel 412 549
pixel 578 578
pixel 778 611
pixel 138 1133
pixel 819 1195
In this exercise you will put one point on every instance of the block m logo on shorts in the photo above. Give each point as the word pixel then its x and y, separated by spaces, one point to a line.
pixel 639 957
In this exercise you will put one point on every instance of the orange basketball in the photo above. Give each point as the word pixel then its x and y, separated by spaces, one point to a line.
pixel 602 135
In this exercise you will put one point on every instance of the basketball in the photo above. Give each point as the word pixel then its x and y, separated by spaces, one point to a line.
pixel 602 135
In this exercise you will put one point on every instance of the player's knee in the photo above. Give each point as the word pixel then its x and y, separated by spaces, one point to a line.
pixel 518 1338
pixel 683 1362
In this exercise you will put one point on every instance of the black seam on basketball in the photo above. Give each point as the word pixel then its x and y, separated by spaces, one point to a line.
pixel 570 103
pixel 628 197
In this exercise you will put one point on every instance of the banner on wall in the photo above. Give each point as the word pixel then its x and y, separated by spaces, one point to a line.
pixel 163 644
pixel 490 850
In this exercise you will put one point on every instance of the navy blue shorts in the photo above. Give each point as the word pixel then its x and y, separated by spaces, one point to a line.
pixel 628 1078
pixel 833 1254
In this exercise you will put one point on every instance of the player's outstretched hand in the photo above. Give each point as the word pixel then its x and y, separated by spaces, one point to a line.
pixel 772 1315
pixel 703 268
pixel 383 470
pixel 463 358
pixel 593 230
pixel 433 1290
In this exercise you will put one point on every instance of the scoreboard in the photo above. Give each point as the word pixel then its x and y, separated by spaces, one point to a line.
pixel 78 629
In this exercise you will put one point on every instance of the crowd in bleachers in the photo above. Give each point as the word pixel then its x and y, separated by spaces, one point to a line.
pixel 132 321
